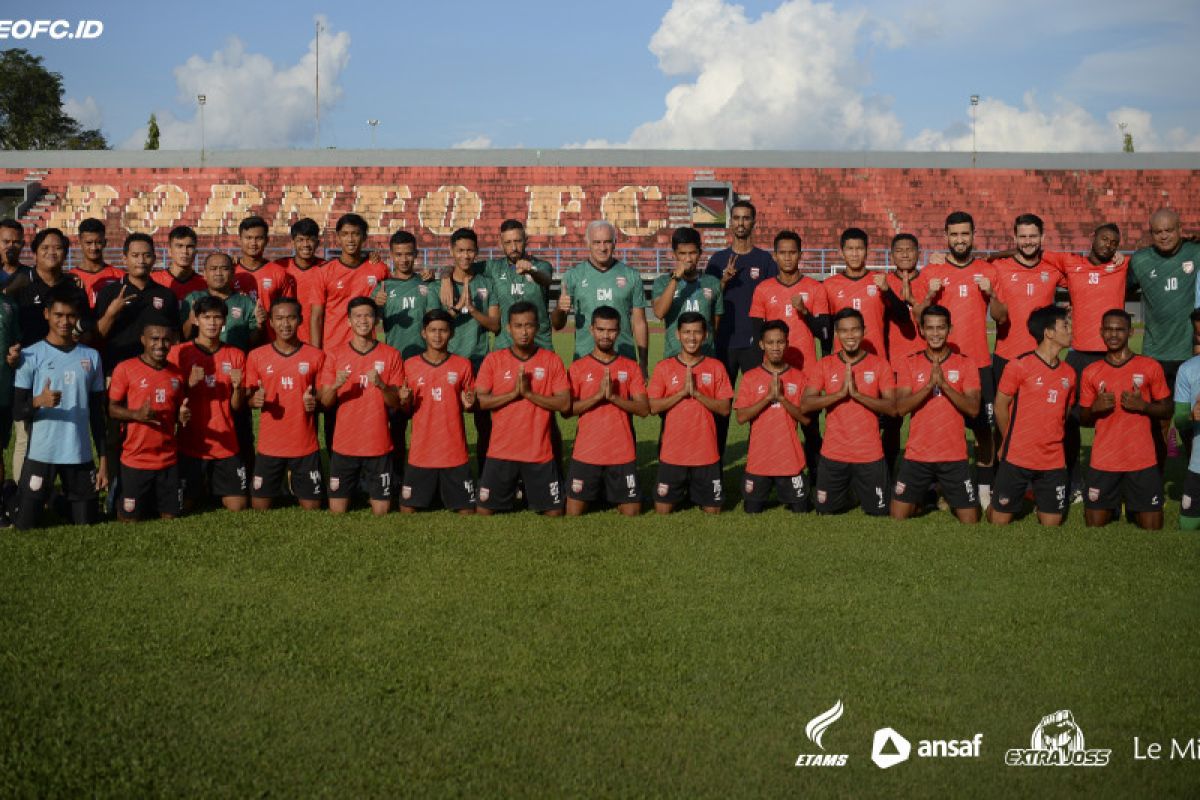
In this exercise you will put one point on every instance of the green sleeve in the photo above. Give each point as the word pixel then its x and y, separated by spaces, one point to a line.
pixel 718 301
pixel 1183 417
pixel 639 291
pixel 493 295
pixel 660 283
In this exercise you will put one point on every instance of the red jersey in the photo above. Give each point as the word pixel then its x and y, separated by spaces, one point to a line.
pixel 180 289
pixel 285 429
pixel 1042 396
pixel 1124 440
pixel 604 436
pixel 521 430
pixel 773 300
pixel 135 383
pixel 903 338
pixel 309 286
pixel 210 433
pixel 775 448
pixel 852 429
pixel 93 282
pixel 362 416
pixel 689 435
pixel 967 304
pixel 1022 289
pixel 265 285
pixel 936 429
pixel 341 285
pixel 861 294
pixel 439 438
pixel 1095 289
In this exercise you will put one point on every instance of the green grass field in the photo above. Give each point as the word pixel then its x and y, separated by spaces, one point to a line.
pixel 288 654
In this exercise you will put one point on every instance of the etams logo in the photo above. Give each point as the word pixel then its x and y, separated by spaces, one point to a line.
pixel 1057 741
pixel 815 731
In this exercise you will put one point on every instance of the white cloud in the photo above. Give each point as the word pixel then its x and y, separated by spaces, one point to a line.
pixel 480 142
pixel 86 111
pixel 789 79
pixel 1000 127
pixel 251 101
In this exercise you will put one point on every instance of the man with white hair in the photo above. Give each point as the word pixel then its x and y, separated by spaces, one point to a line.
pixel 603 280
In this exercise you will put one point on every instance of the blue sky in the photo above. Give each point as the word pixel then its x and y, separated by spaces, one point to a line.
pixel 694 73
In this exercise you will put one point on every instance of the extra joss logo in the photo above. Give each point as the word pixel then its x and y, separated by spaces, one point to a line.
pixel 1057 741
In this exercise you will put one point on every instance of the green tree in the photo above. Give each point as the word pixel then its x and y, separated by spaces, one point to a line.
pixel 31 108
pixel 152 134
pixel 1128 148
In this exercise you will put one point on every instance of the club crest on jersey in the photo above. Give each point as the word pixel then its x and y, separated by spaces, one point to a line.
pixel 379 365
pixel 85 365
pixel 174 383
pixel 451 378
pixel 1045 277
pixel 576 485
pixel 706 378
pixel 1188 266
pixel 129 504
pixel 372 280
pixel 869 376
pixel 662 489
pixel 1065 382
pixel 872 291
pixel 236 313
pixel 303 367
pixel 334 483
pixel 952 375
pixel 1110 268
pixel 754 273
pixel 157 302
pixel 267 282
pixel 539 373
pixel 708 294
pixel 620 282
pixel 423 290
pixel 792 388
pixel 622 376
pixel 481 293
pixel 1138 380
pixel 226 368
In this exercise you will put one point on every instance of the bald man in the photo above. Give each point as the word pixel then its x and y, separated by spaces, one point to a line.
pixel 1165 273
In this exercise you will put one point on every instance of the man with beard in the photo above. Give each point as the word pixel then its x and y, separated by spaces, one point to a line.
pixel 518 276
pixel 963 285
pixel 741 267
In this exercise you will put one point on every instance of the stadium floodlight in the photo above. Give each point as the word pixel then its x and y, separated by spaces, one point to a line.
pixel 373 123
pixel 974 149
pixel 202 99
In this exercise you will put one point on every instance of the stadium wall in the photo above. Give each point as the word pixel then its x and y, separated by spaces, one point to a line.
pixel 643 193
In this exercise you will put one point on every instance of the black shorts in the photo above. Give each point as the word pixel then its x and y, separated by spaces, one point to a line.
pixel 1170 370
pixel 1142 490
pixel 78 480
pixel 498 485
pixel 271 476
pixel 998 365
pixel 147 491
pixel 369 474
pixel 454 484
pixel 986 418
pixel 6 426
pixel 1049 489
pixel 701 484
pixel 1189 502
pixel 224 477
pixel 1079 360
pixel 868 482
pixel 954 477
pixel 791 490
pixel 618 481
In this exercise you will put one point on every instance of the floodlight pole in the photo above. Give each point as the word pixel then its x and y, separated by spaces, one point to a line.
pixel 202 99
pixel 317 84
pixel 974 149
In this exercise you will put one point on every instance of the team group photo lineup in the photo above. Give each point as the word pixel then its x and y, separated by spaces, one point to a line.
pixel 180 380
